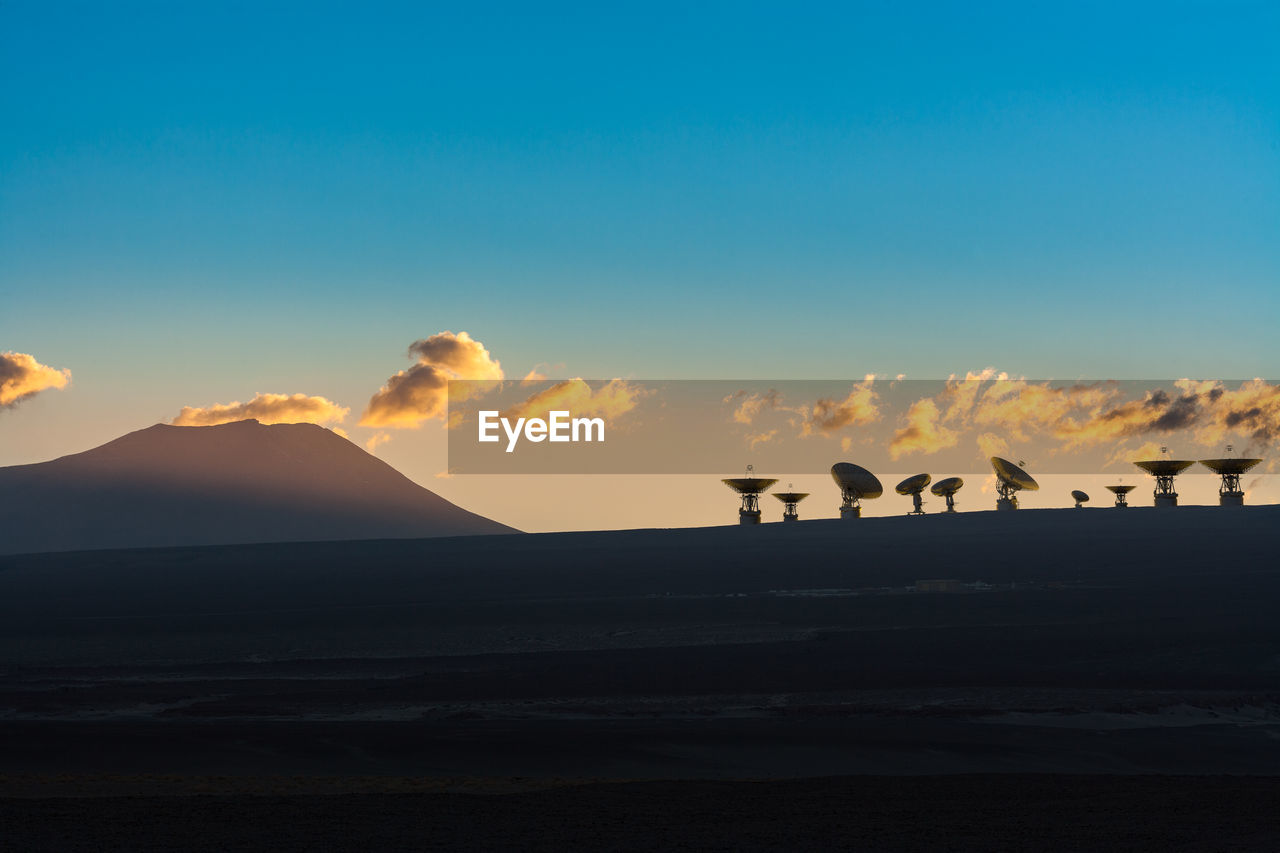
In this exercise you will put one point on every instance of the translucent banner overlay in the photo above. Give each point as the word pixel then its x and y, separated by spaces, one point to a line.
pixel 944 426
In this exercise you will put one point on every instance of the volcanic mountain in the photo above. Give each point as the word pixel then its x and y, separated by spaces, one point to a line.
pixel 240 482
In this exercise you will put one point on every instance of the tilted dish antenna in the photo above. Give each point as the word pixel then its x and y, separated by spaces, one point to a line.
pixel 947 489
pixel 914 486
pixel 856 483
pixel 1011 479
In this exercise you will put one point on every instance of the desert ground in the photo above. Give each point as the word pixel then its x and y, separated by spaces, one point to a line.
pixel 1100 662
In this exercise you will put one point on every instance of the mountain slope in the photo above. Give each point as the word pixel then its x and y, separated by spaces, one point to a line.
pixel 232 483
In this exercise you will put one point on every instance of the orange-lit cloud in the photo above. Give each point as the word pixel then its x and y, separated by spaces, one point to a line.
pixel 937 423
pixel 1212 411
pixel 378 438
pixel 1005 410
pixel 421 393
pixel 1126 456
pixel 22 377
pixel 611 400
pixel 859 408
pixel 990 444
pixel 1017 407
pixel 752 404
pixel 267 409
pixel 924 432
pixel 1251 412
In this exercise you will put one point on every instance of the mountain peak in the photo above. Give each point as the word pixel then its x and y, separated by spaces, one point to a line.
pixel 236 482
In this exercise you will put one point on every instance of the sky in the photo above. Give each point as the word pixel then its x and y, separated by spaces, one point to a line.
pixel 200 203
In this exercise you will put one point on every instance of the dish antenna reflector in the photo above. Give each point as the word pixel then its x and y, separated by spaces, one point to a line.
pixel 789 501
pixel 1164 470
pixel 1011 479
pixel 855 483
pixel 1120 492
pixel 1230 469
pixel 1079 497
pixel 947 489
pixel 750 488
pixel 914 486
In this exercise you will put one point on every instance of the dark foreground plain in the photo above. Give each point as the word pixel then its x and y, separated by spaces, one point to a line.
pixel 1118 672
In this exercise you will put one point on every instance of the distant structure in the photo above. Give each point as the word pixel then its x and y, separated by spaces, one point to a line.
pixel 1164 470
pixel 855 483
pixel 947 489
pixel 914 486
pixel 939 585
pixel 789 501
pixel 1120 492
pixel 1011 479
pixel 749 488
pixel 1079 497
pixel 1230 493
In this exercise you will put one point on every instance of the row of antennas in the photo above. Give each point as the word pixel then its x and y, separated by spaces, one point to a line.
pixel 857 484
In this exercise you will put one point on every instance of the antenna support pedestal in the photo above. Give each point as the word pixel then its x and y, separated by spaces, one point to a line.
pixel 847 512
pixel 1010 502
pixel 749 489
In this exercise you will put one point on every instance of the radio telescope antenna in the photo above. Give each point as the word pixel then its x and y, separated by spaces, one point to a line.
pixel 914 486
pixel 1011 479
pixel 789 500
pixel 947 489
pixel 1120 491
pixel 1164 470
pixel 749 488
pixel 855 483
pixel 1230 469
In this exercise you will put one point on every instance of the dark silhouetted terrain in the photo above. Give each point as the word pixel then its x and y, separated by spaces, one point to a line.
pixel 462 680
pixel 237 482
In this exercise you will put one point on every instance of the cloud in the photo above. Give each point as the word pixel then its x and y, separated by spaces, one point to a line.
pixel 267 409
pixel 612 399
pixel 378 438
pixel 859 408
pixel 1126 456
pixel 22 377
pixel 752 404
pixel 825 416
pixel 1251 412
pixel 923 433
pixel 459 354
pixel 753 441
pixel 1016 407
pixel 1003 410
pixel 935 423
pixel 1002 407
pixel 990 444
pixel 421 393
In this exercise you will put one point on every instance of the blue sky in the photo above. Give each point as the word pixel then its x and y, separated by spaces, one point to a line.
pixel 198 203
